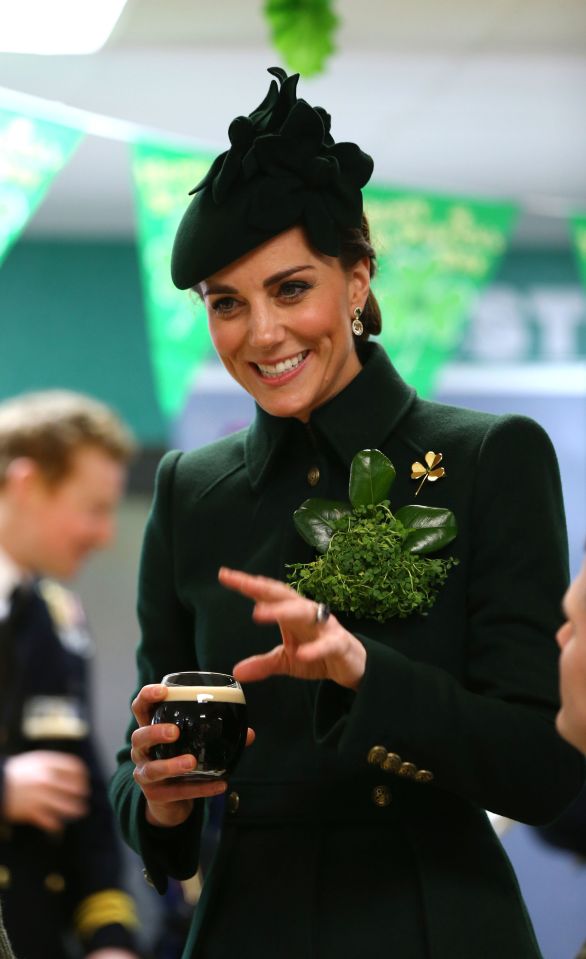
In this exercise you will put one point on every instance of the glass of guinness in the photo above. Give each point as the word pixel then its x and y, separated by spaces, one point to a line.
pixel 210 711
pixel 54 722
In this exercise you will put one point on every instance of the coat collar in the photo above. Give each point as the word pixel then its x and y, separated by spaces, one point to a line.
pixel 362 416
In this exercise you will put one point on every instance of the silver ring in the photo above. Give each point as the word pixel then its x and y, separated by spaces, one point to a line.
pixel 322 613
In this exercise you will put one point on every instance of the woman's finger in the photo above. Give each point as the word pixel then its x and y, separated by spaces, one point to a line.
pixel 291 610
pixel 318 649
pixel 164 793
pixel 146 701
pixel 261 666
pixel 255 587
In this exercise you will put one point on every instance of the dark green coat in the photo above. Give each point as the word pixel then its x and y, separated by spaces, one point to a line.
pixel 317 861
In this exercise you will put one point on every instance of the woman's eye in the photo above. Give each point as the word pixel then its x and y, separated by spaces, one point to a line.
pixel 292 289
pixel 225 305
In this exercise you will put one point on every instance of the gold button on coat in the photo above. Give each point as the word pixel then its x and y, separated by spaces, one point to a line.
pixel 54 882
pixel 408 770
pixel 392 763
pixel 313 475
pixel 381 796
pixel 424 776
pixel 233 802
pixel 377 755
pixel 5 877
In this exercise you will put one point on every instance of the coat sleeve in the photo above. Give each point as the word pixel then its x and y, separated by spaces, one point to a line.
pixel 167 644
pixel 492 738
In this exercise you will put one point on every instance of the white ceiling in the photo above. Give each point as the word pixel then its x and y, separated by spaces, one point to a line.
pixel 459 96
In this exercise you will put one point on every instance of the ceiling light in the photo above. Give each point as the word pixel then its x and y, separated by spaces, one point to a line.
pixel 58 26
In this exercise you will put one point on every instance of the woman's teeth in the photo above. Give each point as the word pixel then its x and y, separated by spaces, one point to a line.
pixel 284 366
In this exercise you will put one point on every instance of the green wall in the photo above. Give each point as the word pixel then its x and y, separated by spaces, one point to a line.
pixel 71 315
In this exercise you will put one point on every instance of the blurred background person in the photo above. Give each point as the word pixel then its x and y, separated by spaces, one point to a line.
pixel 63 463
pixel 568 832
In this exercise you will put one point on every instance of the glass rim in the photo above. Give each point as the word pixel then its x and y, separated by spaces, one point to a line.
pixel 231 680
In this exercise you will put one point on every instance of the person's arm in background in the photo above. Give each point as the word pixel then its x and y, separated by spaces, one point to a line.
pixel 103 914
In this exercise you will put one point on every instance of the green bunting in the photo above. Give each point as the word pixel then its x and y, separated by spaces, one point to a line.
pixel 177 326
pixel 578 225
pixel 434 256
pixel 32 151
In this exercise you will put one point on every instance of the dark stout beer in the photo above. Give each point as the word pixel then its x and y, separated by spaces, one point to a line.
pixel 212 720
pixel 54 722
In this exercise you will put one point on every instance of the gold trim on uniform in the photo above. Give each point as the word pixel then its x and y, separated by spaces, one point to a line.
pixel 102 909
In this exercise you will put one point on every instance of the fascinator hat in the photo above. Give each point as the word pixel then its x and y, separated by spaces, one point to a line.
pixel 283 169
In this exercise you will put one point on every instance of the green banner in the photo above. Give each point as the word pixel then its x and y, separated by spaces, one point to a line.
pixel 32 151
pixel 578 224
pixel 434 254
pixel 177 325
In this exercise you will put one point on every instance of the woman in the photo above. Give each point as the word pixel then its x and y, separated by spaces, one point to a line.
pixel 355 821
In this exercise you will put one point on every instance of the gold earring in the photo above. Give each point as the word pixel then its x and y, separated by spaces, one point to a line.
pixel 357 324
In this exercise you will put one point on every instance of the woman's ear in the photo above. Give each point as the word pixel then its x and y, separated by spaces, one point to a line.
pixel 359 283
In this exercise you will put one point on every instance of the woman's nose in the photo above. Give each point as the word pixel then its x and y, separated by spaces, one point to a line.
pixel 563 634
pixel 265 329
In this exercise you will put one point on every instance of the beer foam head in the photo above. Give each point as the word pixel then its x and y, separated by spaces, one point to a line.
pixel 205 694
pixel 54 727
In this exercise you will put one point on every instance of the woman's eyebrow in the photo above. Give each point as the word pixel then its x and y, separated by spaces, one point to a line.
pixel 218 288
pixel 270 280
pixel 283 274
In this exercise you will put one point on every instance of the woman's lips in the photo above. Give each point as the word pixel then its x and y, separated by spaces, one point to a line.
pixel 275 374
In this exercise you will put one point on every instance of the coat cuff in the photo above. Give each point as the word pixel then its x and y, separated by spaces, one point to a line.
pixel 168 850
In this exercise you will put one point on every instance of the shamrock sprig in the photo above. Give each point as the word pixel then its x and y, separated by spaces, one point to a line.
pixel 373 564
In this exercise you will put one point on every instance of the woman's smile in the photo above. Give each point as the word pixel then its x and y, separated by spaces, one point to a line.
pixel 283 370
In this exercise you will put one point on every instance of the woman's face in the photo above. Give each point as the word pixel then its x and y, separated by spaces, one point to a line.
pixel 280 319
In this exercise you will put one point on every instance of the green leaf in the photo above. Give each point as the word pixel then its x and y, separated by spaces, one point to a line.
pixel 302 31
pixel 371 476
pixel 432 528
pixel 318 519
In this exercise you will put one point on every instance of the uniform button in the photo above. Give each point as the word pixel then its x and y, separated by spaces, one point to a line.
pixel 147 877
pixel 392 763
pixel 408 770
pixel 381 796
pixel 5 877
pixel 423 776
pixel 233 803
pixel 313 475
pixel 377 755
pixel 54 882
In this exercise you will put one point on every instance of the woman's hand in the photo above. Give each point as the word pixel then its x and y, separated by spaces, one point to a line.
pixel 309 650
pixel 168 803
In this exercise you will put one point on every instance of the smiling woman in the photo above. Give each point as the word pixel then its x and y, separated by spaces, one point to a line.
pixel 382 734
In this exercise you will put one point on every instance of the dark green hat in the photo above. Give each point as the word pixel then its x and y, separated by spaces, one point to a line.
pixel 282 169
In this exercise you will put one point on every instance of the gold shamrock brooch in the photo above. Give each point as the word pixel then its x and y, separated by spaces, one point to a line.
pixel 432 471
